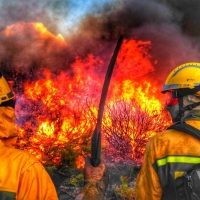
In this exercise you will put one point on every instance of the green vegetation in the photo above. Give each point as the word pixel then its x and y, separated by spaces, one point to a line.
pixel 124 191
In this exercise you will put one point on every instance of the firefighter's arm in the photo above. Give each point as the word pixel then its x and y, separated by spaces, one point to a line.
pixel 35 183
pixel 96 181
pixel 147 184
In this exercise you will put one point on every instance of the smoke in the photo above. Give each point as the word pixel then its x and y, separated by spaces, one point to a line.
pixel 27 45
pixel 172 26
pixel 50 13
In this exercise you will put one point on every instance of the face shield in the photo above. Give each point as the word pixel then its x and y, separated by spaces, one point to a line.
pixel 171 104
pixel 171 99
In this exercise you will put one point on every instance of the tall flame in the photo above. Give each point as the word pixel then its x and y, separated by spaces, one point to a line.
pixel 56 109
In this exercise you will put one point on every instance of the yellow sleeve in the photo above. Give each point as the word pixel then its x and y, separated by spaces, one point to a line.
pixel 147 184
pixel 36 184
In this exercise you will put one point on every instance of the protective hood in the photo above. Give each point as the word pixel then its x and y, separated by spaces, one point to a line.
pixel 193 113
pixel 8 134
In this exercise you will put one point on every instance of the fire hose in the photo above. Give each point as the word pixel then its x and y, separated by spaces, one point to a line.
pixel 96 136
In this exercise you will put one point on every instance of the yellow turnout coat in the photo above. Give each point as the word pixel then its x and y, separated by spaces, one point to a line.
pixel 168 155
pixel 22 177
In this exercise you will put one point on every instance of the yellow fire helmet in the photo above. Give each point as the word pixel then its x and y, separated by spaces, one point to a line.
pixel 5 91
pixel 185 78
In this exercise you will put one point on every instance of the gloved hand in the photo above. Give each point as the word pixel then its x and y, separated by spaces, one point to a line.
pixel 96 180
pixel 95 173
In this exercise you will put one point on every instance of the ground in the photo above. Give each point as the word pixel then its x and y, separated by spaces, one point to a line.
pixel 68 181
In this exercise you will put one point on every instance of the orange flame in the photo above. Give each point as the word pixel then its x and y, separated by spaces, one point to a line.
pixel 68 104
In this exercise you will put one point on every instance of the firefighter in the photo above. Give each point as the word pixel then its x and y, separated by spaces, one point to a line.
pixel 22 177
pixel 170 153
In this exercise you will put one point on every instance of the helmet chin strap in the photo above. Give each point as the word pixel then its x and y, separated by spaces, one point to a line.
pixel 183 109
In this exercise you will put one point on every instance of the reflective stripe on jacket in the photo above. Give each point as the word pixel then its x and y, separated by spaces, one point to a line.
pixel 168 155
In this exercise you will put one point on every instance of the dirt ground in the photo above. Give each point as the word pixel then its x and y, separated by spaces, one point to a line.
pixel 68 191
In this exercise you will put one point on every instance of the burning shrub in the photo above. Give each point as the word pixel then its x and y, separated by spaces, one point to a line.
pixel 63 141
pixel 51 136
pixel 129 128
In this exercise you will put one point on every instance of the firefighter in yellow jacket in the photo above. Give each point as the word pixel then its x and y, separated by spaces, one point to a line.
pixel 22 177
pixel 170 153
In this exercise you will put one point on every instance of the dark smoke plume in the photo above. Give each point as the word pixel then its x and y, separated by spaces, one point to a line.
pixel 172 26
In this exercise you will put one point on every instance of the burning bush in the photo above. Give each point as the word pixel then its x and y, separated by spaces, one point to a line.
pixel 129 128
pixel 56 126
pixel 126 128
pixel 50 136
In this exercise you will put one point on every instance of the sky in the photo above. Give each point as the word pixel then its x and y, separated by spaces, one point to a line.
pixel 60 16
